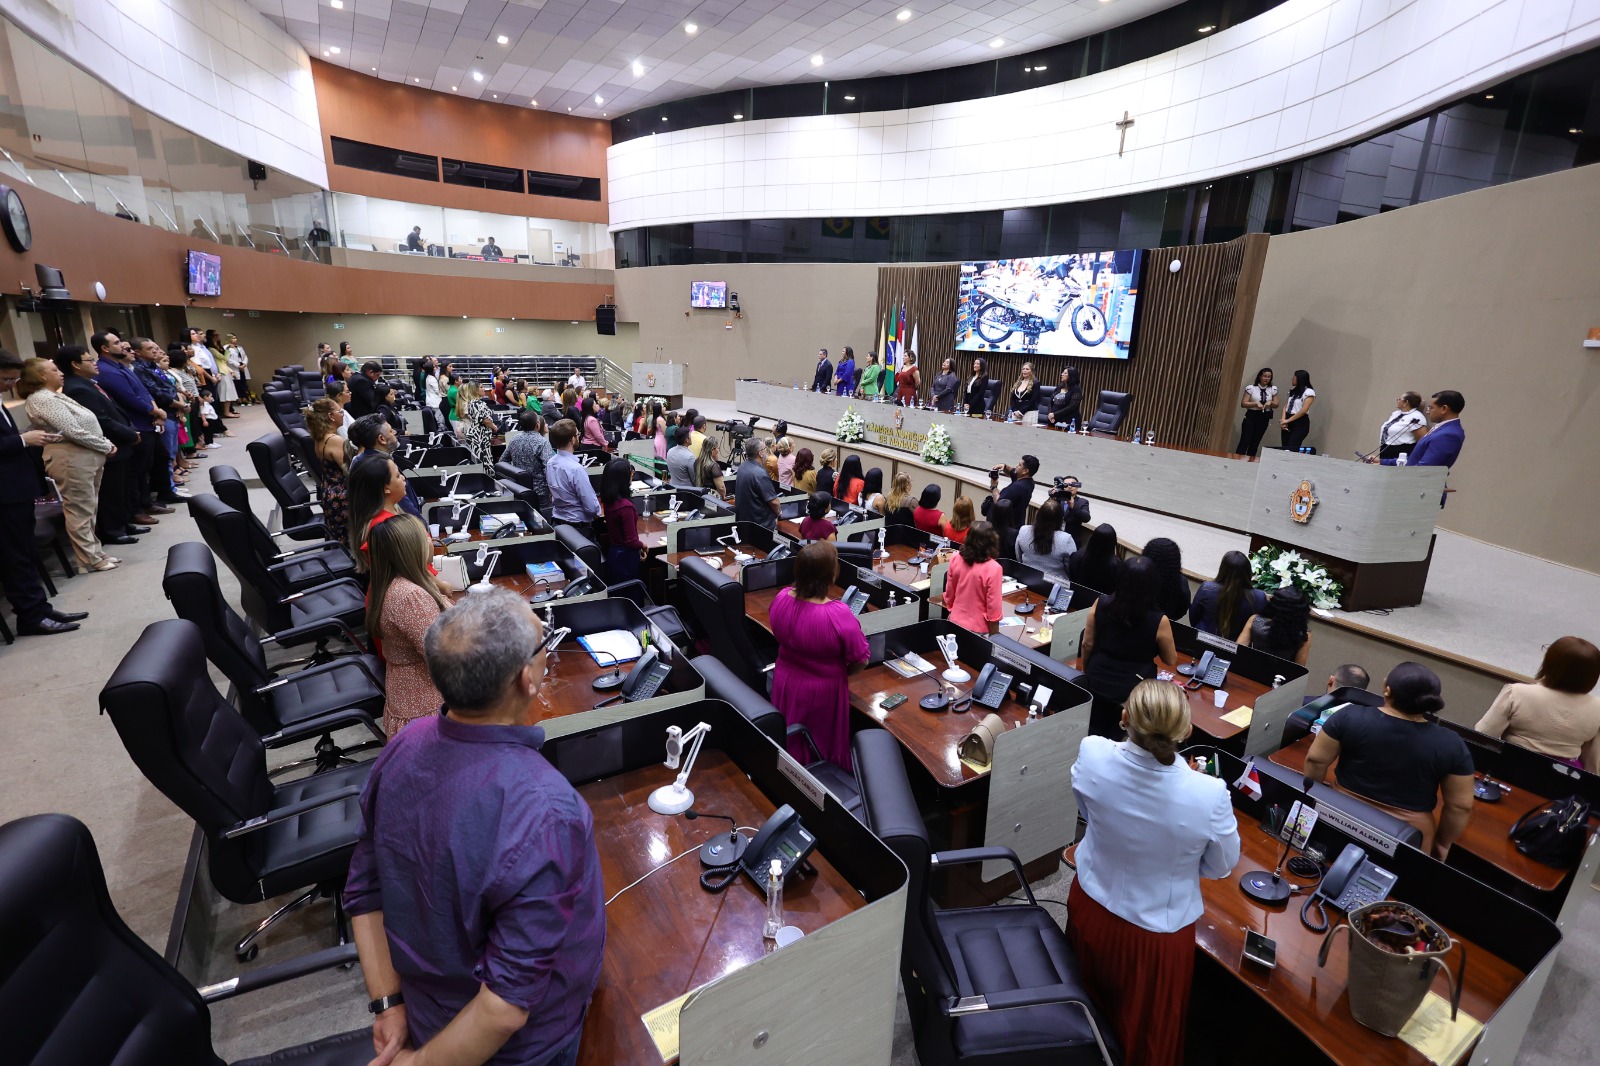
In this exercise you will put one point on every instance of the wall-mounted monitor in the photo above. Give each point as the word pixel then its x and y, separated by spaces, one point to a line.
pixel 1079 306
pixel 708 294
pixel 205 274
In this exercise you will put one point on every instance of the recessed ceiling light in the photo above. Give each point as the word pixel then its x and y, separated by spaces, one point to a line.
pixel 569 109
pixel 904 15
pixel 1574 130
pixel 324 51
pixel 1040 66
pixel 689 27
pixel 816 61
pixel 418 80
pixel 1207 29
pixel 847 97
pixel 452 88
pixel 736 118
pixel 497 96
pixel 1027 70
pixel 477 75
pixel 663 118
pixel 374 70
pixel 996 43
pixel 638 69
pixel 602 114
pixel 599 99
pixel 535 103
pixel 334 49
pixel 337 5
pixel 502 39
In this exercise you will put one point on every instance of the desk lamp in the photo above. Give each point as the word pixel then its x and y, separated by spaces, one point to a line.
pixel 453 480
pixel 947 644
pixel 676 797
pixel 731 542
pixel 487 560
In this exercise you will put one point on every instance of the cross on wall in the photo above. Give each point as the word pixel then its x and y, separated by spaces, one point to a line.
pixel 1122 125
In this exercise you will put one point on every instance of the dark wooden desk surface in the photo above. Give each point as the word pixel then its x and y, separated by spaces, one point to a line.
pixel 667 935
pixel 729 567
pixel 652 531
pixel 1313 998
pixel 931 736
pixel 1203 710
pixel 1488 833
pixel 758 606
pixel 521 584
pixel 1033 621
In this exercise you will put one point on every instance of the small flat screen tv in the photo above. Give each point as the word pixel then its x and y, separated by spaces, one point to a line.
pixel 708 294
pixel 205 274
pixel 1077 306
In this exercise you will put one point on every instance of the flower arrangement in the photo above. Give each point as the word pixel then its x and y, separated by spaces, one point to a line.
pixel 852 427
pixel 1273 567
pixel 937 447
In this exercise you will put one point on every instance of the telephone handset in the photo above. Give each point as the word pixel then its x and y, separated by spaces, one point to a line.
pixel 1060 597
pixel 643 681
pixel 1210 670
pixel 991 687
pixel 1353 881
pixel 783 837
pixel 782 551
pixel 856 599
pixel 581 587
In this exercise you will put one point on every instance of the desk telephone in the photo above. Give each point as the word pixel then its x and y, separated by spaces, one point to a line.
pixel 856 599
pixel 643 681
pixel 782 551
pixel 1353 881
pixel 1210 670
pixel 782 837
pixel 1060 597
pixel 991 687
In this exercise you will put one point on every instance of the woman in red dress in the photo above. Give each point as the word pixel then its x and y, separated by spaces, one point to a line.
pixel 907 380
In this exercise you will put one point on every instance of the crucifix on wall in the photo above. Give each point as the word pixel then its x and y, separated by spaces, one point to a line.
pixel 1123 124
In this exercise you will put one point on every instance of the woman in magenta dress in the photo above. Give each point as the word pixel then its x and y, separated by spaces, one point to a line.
pixel 820 644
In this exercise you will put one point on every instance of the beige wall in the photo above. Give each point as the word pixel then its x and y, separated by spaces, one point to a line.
pixel 790 310
pixel 1489 293
pixel 277 338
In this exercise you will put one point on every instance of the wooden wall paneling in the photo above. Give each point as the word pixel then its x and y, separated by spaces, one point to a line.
pixel 928 294
pixel 1227 415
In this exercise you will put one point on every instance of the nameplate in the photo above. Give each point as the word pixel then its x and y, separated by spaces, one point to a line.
pixel 1357 829
pixel 1006 658
pixel 801 780
pixel 1220 643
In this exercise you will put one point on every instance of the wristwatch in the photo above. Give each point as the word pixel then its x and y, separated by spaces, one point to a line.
pixel 383 1003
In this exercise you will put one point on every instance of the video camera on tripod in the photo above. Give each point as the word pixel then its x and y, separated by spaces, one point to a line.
pixel 738 432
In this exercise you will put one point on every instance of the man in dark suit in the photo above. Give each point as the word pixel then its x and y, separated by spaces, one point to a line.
pixel 363 390
pixel 1019 492
pixel 20 485
pixel 80 367
pixel 822 380
pixel 123 386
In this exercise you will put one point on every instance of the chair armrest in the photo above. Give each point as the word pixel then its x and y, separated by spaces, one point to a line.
pixel 320 669
pixel 322 545
pixel 798 730
pixel 967 855
pixel 1019 997
pixel 324 627
pixel 287 970
pixel 323 723
pixel 304 531
pixel 343 582
pixel 294 810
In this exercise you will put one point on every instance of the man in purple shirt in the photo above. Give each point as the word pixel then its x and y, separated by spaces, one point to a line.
pixel 475 888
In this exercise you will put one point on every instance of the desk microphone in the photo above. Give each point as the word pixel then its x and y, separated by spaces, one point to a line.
pixel 612 680
pixel 939 699
pixel 1027 605
pixel 1270 888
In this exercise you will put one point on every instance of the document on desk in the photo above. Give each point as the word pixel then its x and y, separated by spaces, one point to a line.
pixel 1239 716
pixel 615 645
pixel 1433 1034
pixel 663 1025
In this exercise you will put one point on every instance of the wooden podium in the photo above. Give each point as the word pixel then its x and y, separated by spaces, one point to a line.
pixel 659 379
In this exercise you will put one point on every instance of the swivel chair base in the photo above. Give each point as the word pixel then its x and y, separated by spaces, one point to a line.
pixel 247 948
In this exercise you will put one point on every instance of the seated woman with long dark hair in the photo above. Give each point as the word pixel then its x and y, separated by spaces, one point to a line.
pixel 1222 605
pixel 1283 629
pixel 850 481
pixel 1173 596
pixel 1122 637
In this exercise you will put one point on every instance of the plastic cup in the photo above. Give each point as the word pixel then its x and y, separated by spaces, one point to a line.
pixel 1221 697
pixel 433 530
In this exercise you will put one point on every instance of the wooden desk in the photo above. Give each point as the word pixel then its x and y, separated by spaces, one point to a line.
pixel 930 736
pixel 667 935
pixel 1310 998
pixel 521 584
pixel 652 531
pixel 1486 835
pixel 1026 634
pixel 1203 710
pixel 729 567
pixel 758 606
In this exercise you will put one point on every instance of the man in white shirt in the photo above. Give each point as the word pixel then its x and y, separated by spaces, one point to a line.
pixel 577 382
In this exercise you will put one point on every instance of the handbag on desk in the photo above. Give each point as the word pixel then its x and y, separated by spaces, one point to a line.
pixel 1554 833
pixel 978 745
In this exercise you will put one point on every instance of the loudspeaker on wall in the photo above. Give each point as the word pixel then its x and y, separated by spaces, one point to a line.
pixel 605 320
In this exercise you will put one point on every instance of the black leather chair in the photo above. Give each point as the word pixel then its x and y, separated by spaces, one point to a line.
pixel 269 454
pixel 304 449
pixel 189 742
pixel 1045 392
pixel 310 384
pixel 724 684
pixel 291 618
pixel 587 551
pixel 998 985
pixel 283 407
pixel 716 605
pixel 991 396
pixel 79 988
pixel 299 568
pixel 269 700
pixel 1110 411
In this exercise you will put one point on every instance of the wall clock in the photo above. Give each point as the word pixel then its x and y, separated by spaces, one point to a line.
pixel 14 219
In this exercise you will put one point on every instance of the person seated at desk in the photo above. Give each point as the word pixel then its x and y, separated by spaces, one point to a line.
pixel 804 475
pixel 491 250
pixel 1155 828
pixel 680 460
pixel 1123 635
pixel 927 516
pixel 1222 605
pixel 1557 715
pixel 1094 570
pixel 708 468
pixel 1045 546
pixel 755 496
pixel 475 887
pixel 1173 596
pixel 1024 393
pixel 1399 756
pixel 826 476
pixel 820 644
pixel 1283 629
pixel 962 513
pixel 976 387
pixel 624 550
pixel 851 481
pixel 572 498
pixel 816 525
pixel 402 602
pixel 972 584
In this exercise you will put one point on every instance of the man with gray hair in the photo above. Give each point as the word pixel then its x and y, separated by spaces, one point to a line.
pixel 755 497
pixel 475 889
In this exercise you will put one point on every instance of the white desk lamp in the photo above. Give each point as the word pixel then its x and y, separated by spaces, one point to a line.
pixel 947 644
pixel 676 797
pixel 731 542
pixel 487 560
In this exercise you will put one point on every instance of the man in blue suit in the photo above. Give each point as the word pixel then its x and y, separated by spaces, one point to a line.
pixel 822 380
pixel 1442 445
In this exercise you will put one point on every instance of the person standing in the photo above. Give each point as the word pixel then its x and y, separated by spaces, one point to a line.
pixel 478 423
pixel 844 375
pixel 76 460
pixel 1442 445
pixel 872 378
pixel 226 392
pixel 972 583
pixel 945 384
pixel 822 377
pixel 680 459
pixel 475 889
pixel 755 496
pixel 977 387
pixel 239 359
pixel 364 389
pixel 491 250
pixel 1067 401
pixel 113 522
pixel 1024 393
pixel 1019 492
pixel 1260 399
pixel 820 644
pixel 572 498
pixel 148 356
pixel 402 601
pixel 531 453
pixel 1295 423
pixel 1044 545
pixel 148 420
pixel 1123 635
pixel 1155 828
pixel 1283 629
pixel 625 552
pixel 907 381
pixel 20 485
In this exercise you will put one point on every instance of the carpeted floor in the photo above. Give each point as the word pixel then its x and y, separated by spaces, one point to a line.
pixel 58 754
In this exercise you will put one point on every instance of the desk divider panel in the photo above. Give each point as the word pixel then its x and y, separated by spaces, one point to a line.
pixel 846 532
pixel 1271 714
pixel 1032 809
pixel 675 529
pixel 886 618
pixel 1066 634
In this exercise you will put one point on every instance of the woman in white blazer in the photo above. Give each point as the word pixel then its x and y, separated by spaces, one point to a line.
pixel 1156 827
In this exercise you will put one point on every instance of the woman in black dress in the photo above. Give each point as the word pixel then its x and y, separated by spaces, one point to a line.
pixel 1025 393
pixel 945 385
pixel 1259 401
pixel 1122 637
pixel 1296 421
pixel 1094 570
pixel 976 386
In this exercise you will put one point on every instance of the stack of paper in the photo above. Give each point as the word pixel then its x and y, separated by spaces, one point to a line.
pixel 612 646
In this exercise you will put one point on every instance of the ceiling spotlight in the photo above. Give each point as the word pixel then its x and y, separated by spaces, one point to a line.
pixel 502 39
pixel 1207 29
pixel 602 114
pixel 324 51
pixel 736 118
pixel 996 43
pixel 638 69
pixel 816 61
pixel 849 97
pixel 452 88
pixel 337 5
pixel 334 49
pixel 599 99
pixel 569 109
pixel 374 70
pixel 1574 130
pixel 418 80
pixel 690 28
pixel 904 15
pixel 497 96
pixel 1488 96
pixel 477 75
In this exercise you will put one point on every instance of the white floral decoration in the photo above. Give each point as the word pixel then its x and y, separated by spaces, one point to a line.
pixel 937 448
pixel 852 427
pixel 1273 568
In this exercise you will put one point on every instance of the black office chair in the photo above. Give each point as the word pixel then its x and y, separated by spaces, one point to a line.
pixel 299 567
pixel 587 551
pixel 724 684
pixel 188 741
pixel 1045 393
pixel 984 985
pixel 291 618
pixel 304 449
pixel 271 701
pixel 666 618
pixel 716 604
pixel 269 454
pixel 310 385
pixel 78 987
pixel 991 396
pixel 1110 411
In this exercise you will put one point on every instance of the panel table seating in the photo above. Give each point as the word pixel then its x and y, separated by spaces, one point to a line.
pixel 1031 629
pixel 510 569
pixel 470 514
pixel 667 936
pixel 1300 1012
pixel 888 606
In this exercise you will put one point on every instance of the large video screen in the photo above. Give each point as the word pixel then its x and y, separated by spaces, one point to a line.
pixel 1080 305
pixel 205 274
pixel 708 294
